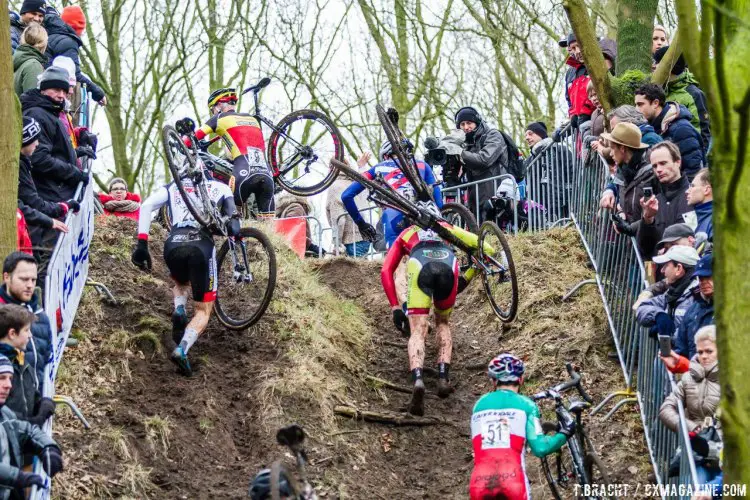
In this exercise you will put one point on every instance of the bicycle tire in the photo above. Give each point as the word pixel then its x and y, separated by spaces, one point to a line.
pixel 407 167
pixel 596 472
pixel 248 234
pixel 455 212
pixel 558 468
pixel 486 229
pixel 171 138
pixel 273 154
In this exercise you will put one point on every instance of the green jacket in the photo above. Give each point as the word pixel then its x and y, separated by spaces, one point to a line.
pixel 28 64
pixel 684 90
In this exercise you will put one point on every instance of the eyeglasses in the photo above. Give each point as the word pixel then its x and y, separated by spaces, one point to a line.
pixel 117 189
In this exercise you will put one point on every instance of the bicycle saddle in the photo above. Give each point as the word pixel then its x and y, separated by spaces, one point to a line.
pixel 578 406
pixel 263 83
pixel 291 435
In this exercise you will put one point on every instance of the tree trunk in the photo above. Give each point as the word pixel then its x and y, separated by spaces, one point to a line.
pixel 635 24
pixel 9 141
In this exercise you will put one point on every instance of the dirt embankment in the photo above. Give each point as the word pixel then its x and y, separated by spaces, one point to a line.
pixel 158 435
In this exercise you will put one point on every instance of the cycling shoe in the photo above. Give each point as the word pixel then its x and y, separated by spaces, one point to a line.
pixel 179 357
pixel 445 388
pixel 416 405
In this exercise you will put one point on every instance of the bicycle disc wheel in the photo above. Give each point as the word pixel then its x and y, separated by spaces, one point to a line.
pixel 300 151
pixel 181 163
pixel 499 272
pixel 405 163
pixel 246 290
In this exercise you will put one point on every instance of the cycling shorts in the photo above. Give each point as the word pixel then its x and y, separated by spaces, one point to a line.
pixel 190 256
pixel 253 179
pixel 500 479
pixel 432 278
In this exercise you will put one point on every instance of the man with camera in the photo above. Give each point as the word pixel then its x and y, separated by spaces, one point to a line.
pixel 666 206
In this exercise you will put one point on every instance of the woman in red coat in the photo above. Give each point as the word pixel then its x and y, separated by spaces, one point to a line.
pixel 119 201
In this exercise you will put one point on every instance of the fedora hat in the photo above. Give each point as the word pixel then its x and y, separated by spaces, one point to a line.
pixel 626 134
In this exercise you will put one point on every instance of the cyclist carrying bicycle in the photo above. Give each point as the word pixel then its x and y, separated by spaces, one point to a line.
pixel 243 137
pixel 502 423
pixel 433 280
pixel 190 256
pixel 388 168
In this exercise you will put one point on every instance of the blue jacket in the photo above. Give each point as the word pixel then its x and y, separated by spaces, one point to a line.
pixel 16 29
pixel 397 180
pixel 39 350
pixel 698 315
pixel 673 123
pixel 63 41
pixel 649 135
pixel 704 212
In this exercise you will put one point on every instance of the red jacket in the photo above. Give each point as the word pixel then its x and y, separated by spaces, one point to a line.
pixel 24 241
pixel 104 198
pixel 576 81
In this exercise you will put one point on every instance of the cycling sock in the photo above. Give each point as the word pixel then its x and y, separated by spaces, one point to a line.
pixel 443 369
pixel 180 309
pixel 416 374
pixel 180 300
pixel 188 339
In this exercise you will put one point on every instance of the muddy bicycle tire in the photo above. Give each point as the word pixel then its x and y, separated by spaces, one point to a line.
pixel 451 211
pixel 171 140
pixel 273 151
pixel 490 229
pixel 250 315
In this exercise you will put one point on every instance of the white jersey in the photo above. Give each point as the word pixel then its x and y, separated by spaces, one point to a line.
pixel 177 211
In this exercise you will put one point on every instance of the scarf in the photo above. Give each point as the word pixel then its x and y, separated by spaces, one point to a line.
pixel 122 206
pixel 677 289
pixel 14 355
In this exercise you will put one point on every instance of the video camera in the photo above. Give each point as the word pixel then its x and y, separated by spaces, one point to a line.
pixel 445 153
pixel 435 155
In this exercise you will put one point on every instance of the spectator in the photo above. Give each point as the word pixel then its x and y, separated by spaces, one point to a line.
pixel 577 78
pixel 659 38
pixel 19 282
pixel 627 114
pixel 65 40
pixel 700 196
pixel 29 59
pixel 25 398
pixel 120 202
pixel 597 117
pixel 289 206
pixel 664 313
pixel 701 313
pixel 672 122
pixel 485 154
pixel 609 51
pixel 633 172
pixel 683 88
pixel 54 162
pixel 32 11
pixel 553 170
pixel 39 214
pixel 699 392
pixel 348 233
pixel 668 205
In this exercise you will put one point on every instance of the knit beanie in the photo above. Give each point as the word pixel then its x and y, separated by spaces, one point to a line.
pixel 33 6
pixel 539 128
pixel 678 66
pixel 74 17
pixel 68 65
pixel 54 78
pixel 31 131
pixel 467 114
pixel 5 365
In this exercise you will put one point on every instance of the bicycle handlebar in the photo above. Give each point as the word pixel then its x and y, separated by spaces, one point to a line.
pixel 575 381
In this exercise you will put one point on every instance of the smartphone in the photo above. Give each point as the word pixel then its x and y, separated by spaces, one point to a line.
pixel 648 192
pixel 665 345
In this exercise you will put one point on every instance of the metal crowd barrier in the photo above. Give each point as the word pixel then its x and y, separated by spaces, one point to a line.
pixel 459 190
pixel 620 277
pixel 372 215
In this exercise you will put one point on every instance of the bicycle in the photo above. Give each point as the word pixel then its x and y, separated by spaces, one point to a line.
pixel 293 437
pixel 576 465
pixel 240 301
pixel 497 270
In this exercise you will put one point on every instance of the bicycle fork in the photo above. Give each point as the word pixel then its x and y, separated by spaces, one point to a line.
pixel 241 269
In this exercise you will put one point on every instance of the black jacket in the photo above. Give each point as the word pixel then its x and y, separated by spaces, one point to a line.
pixel 28 194
pixel 631 188
pixel 24 396
pixel 673 206
pixel 55 172
pixel 63 41
pixel 485 156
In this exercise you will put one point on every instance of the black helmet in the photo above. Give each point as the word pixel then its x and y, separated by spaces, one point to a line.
pixel 228 94
pixel 260 488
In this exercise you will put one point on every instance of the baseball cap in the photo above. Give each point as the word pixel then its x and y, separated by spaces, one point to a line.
pixel 567 40
pixel 683 254
pixel 675 232
pixel 704 269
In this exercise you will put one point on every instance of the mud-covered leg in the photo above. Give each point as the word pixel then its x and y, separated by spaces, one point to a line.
pixel 416 347
pixel 445 350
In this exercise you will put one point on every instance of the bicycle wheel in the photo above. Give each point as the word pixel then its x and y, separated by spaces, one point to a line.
pixel 558 469
pixel 498 272
pixel 460 216
pixel 245 289
pixel 405 163
pixel 300 151
pixel 182 164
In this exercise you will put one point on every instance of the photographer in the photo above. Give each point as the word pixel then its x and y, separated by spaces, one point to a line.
pixel 551 163
pixel 485 155
pixel 666 206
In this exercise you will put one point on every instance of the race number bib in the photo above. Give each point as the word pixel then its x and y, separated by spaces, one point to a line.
pixel 255 159
pixel 495 434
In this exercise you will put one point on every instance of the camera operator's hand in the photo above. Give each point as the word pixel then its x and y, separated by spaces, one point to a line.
pixel 649 207
pixel 364 159
pixel 367 231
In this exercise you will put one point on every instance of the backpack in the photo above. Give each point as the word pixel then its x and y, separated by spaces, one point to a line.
pixel 516 166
